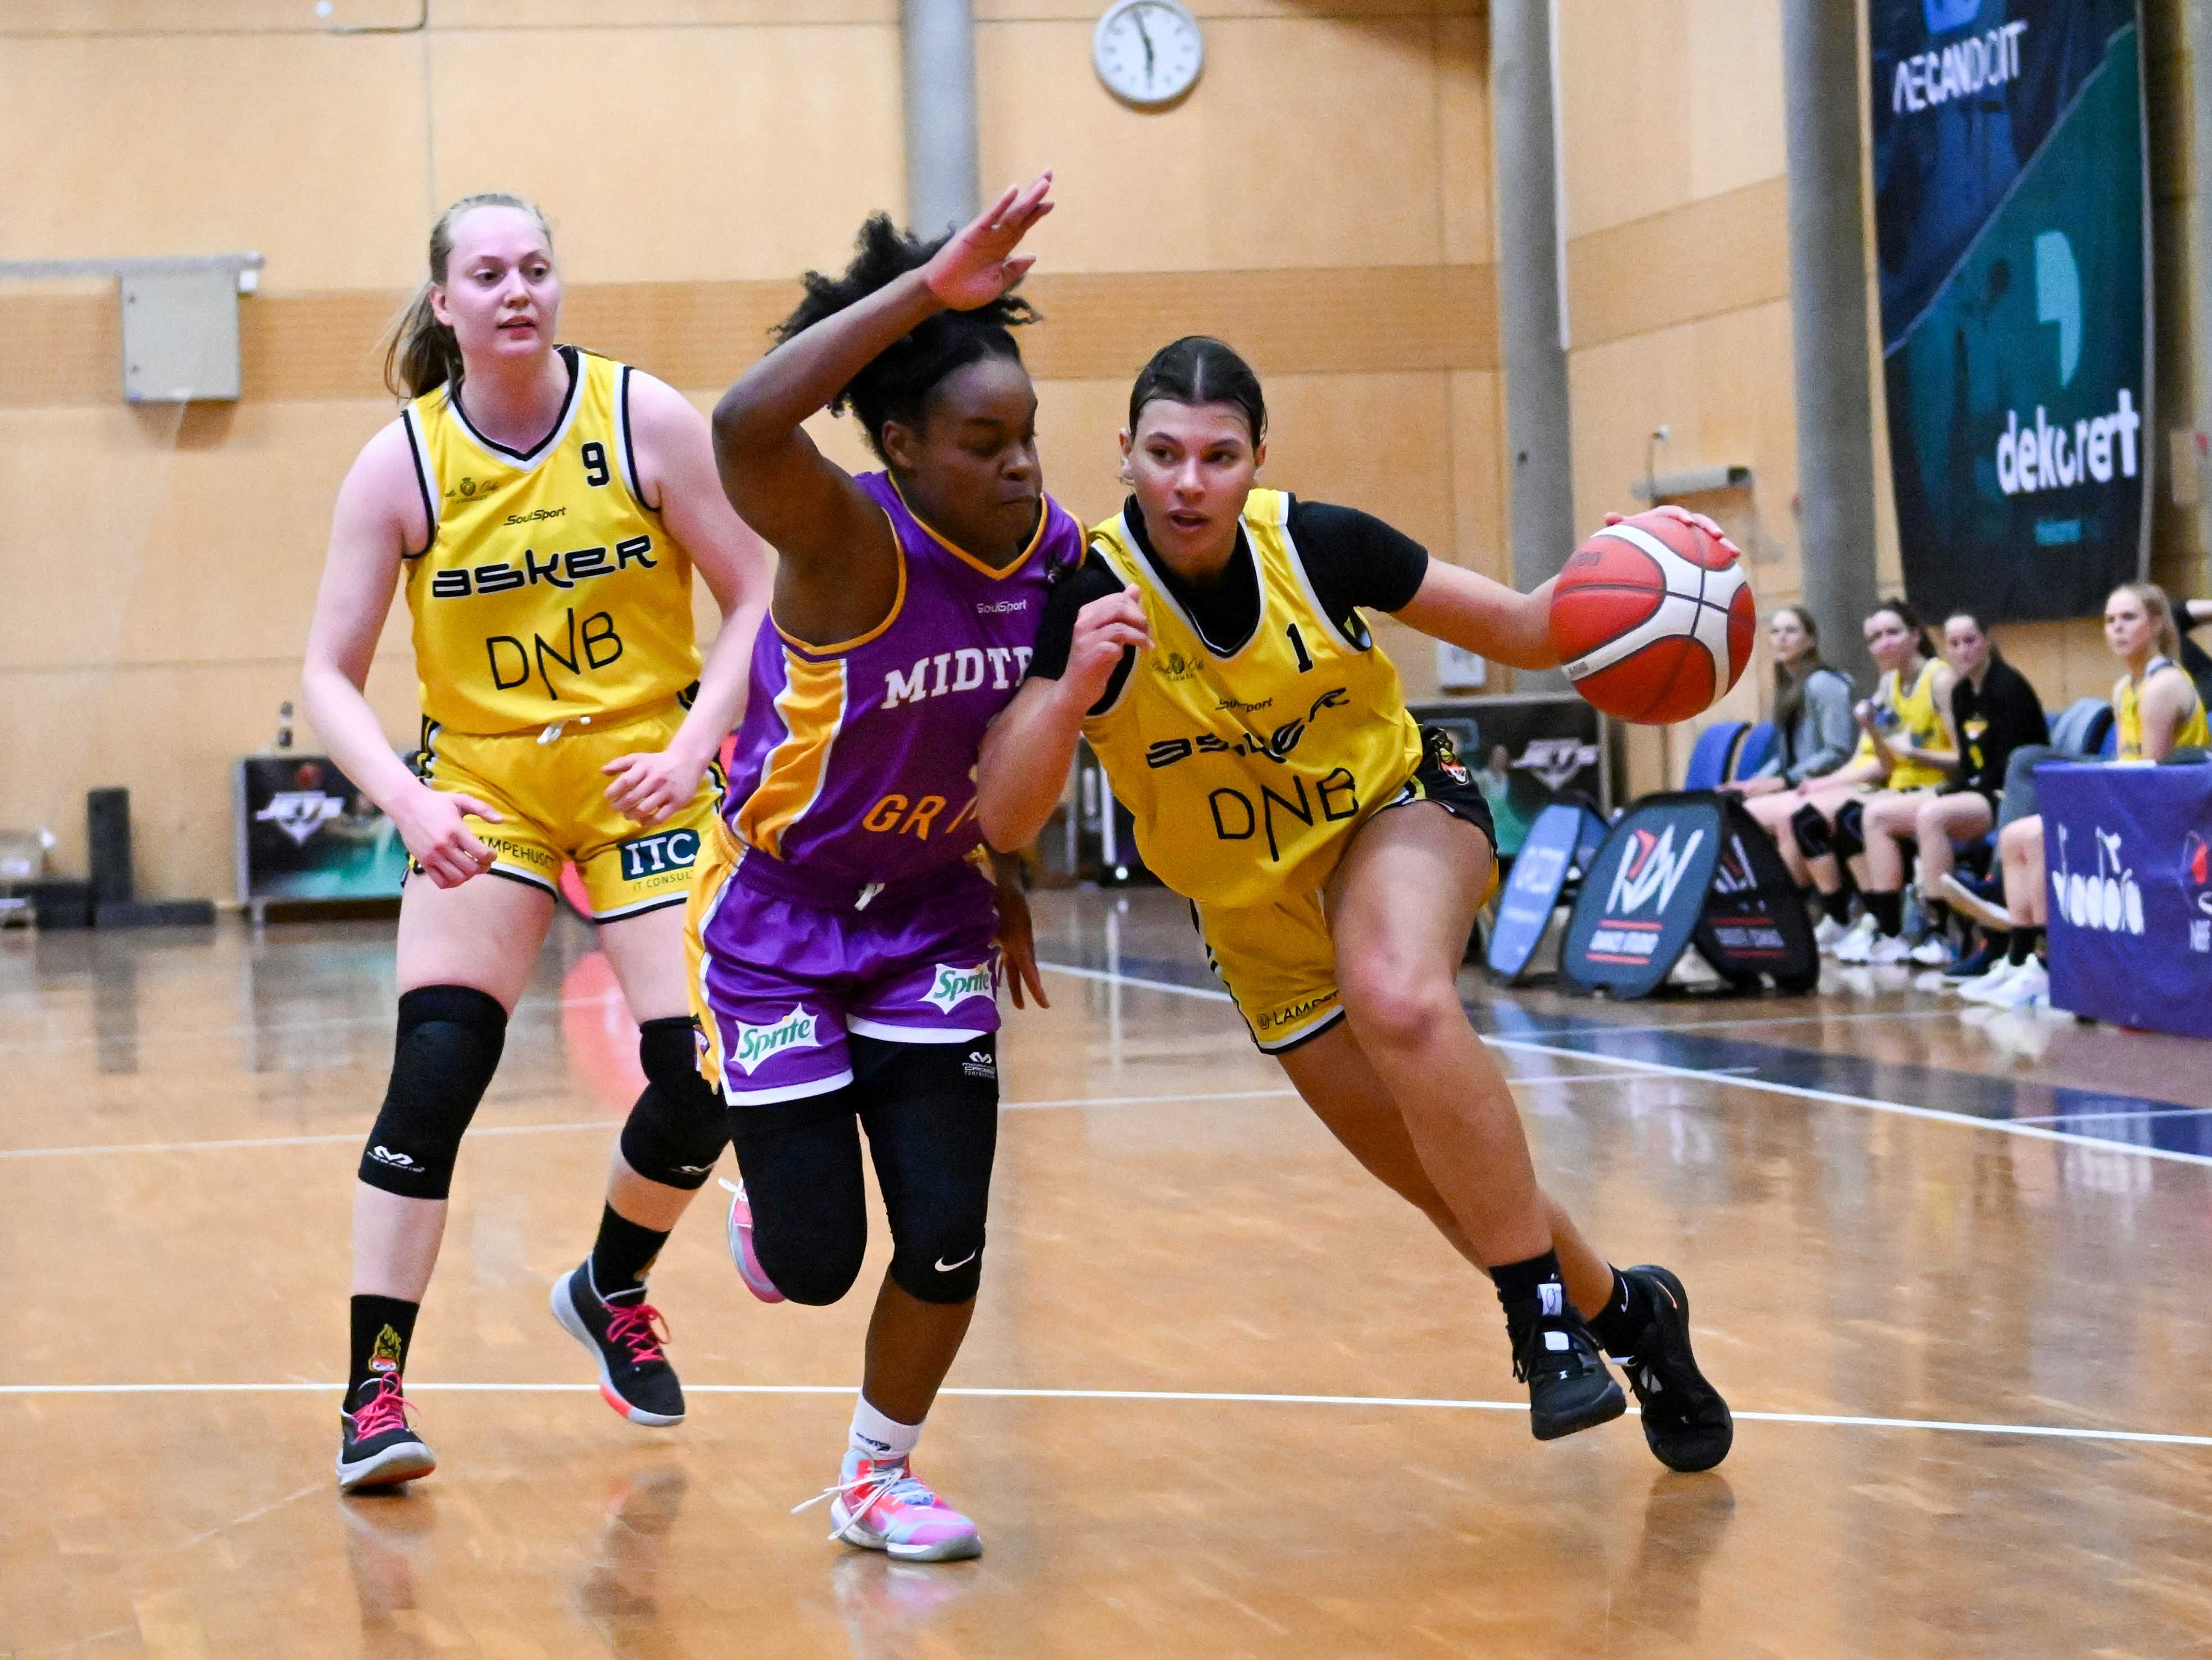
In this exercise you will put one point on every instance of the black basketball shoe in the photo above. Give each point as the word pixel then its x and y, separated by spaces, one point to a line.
pixel 1555 1355
pixel 1686 1423
pixel 625 1334
pixel 376 1447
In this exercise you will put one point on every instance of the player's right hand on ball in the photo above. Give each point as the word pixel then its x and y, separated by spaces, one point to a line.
pixel 1104 628
pixel 432 825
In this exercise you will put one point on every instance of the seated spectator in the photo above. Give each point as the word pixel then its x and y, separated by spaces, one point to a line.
pixel 2157 710
pixel 1905 744
pixel 1993 711
pixel 2188 616
pixel 1812 729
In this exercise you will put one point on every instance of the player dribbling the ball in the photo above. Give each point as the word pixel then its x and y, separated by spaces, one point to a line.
pixel 1211 648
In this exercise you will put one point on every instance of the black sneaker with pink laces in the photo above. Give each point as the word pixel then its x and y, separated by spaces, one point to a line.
pixel 625 1334
pixel 376 1447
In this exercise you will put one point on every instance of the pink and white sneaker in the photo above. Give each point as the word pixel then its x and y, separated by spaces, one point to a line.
pixel 878 1505
pixel 741 1246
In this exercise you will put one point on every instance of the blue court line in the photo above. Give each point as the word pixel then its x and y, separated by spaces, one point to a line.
pixel 2145 1125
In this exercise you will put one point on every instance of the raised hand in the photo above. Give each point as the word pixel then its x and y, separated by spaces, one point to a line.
pixel 1687 518
pixel 1104 628
pixel 979 262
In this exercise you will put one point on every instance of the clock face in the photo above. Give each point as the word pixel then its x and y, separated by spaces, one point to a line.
pixel 1148 53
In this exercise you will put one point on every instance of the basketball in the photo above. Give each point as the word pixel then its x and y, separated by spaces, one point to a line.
pixel 1653 618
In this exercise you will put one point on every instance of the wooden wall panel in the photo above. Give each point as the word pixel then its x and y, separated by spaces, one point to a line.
pixel 124 17
pixel 1463 139
pixel 609 15
pixel 169 537
pixel 672 155
pixel 1314 143
pixel 299 348
pixel 1718 254
pixel 308 149
pixel 1667 102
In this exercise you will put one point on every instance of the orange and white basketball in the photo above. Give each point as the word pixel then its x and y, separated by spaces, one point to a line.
pixel 1653 619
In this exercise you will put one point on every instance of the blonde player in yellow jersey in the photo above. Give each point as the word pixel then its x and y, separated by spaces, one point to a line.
pixel 2157 709
pixel 1906 743
pixel 543 508
pixel 1211 647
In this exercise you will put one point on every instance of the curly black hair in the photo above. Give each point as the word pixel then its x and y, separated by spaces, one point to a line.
pixel 898 381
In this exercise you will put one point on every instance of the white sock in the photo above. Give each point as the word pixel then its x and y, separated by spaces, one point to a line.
pixel 878 1438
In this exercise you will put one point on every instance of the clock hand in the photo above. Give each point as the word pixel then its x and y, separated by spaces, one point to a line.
pixel 1144 36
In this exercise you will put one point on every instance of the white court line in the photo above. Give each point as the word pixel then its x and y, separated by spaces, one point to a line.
pixel 610 1124
pixel 1757 1023
pixel 1201 1397
pixel 1658 1068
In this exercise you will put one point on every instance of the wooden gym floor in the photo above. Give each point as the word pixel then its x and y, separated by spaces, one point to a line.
pixel 1223 1396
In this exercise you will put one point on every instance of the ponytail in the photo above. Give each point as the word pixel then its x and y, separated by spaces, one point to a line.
pixel 420 353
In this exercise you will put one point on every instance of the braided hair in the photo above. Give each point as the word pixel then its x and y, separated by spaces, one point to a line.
pixel 897 382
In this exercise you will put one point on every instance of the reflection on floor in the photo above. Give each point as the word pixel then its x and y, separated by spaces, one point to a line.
pixel 1224 1394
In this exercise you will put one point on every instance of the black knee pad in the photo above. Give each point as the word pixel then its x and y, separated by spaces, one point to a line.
pixel 449 1044
pixel 677 1130
pixel 932 1119
pixel 1810 831
pixel 809 1262
pixel 1850 839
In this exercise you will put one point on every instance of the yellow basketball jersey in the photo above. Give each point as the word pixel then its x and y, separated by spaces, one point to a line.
pixel 2128 710
pixel 550 590
pixel 1917 722
pixel 1248 772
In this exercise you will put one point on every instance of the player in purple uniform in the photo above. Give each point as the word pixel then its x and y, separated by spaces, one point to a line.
pixel 845 948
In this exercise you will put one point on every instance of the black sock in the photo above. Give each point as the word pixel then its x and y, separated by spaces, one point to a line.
pixel 622 1254
pixel 1837 905
pixel 1887 910
pixel 1523 1288
pixel 1996 942
pixel 1621 1322
pixel 382 1329
pixel 2023 945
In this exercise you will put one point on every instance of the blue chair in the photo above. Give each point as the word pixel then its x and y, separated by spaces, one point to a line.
pixel 1751 754
pixel 2082 726
pixel 2110 747
pixel 1709 759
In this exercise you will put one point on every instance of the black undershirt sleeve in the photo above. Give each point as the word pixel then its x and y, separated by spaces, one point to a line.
pixel 1091 580
pixel 1355 560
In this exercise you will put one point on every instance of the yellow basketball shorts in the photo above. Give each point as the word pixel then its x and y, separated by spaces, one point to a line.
pixel 551 797
pixel 1279 960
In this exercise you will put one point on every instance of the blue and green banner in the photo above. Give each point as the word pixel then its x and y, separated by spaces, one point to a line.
pixel 2011 219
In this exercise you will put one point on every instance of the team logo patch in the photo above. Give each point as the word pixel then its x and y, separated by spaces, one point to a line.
pixel 955 986
pixel 652 855
pixel 299 813
pixel 754 1046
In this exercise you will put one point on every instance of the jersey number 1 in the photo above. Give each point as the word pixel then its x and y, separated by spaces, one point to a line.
pixel 595 463
pixel 1298 645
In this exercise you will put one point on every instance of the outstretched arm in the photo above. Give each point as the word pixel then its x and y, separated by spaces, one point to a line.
pixel 1483 616
pixel 840 571
pixel 378 517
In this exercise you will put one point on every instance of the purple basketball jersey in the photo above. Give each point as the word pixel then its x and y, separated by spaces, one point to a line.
pixel 855 762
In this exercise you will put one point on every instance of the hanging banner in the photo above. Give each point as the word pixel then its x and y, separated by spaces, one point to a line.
pixel 2011 218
